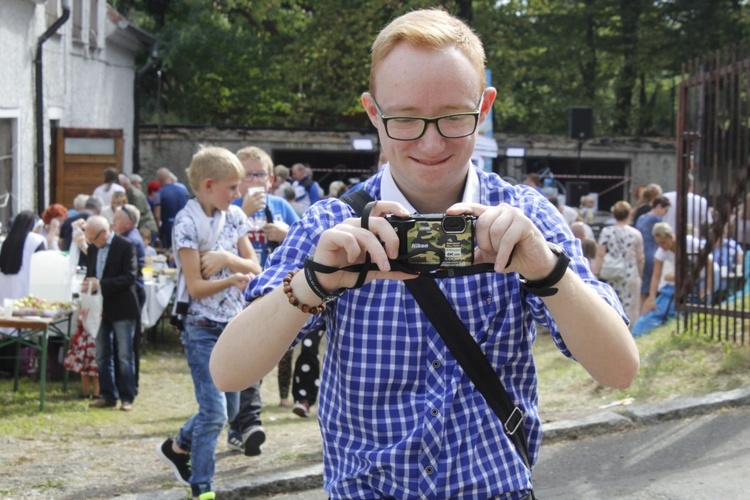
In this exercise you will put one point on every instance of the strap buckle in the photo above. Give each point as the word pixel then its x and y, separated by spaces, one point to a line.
pixel 514 421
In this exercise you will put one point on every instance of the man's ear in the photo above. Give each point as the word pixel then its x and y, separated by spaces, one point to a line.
pixel 368 102
pixel 490 93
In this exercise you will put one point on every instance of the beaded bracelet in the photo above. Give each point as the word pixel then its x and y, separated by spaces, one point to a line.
pixel 305 308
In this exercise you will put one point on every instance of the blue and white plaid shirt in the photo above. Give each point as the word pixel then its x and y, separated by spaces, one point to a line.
pixel 398 415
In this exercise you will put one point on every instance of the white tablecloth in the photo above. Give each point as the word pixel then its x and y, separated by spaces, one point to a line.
pixel 157 299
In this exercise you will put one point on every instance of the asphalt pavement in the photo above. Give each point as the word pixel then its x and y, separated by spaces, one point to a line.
pixel 713 445
pixel 697 458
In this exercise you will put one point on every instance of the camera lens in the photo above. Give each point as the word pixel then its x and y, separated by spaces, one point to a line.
pixel 454 224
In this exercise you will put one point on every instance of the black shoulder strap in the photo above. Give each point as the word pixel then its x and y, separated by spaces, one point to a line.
pixel 357 200
pixel 462 345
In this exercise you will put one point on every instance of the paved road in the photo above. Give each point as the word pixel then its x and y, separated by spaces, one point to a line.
pixel 698 458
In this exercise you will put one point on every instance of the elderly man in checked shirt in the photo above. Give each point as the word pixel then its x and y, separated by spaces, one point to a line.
pixel 398 415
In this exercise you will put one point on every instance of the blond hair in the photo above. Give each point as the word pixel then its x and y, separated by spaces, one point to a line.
pixel 118 197
pixel 211 162
pixel 255 153
pixel 428 28
pixel 662 230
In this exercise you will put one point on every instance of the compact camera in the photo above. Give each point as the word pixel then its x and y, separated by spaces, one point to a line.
pixel 429 242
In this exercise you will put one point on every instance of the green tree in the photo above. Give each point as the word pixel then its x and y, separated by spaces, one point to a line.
pixel 304 63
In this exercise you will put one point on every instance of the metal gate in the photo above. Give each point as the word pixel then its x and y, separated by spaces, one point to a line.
pixel 713 132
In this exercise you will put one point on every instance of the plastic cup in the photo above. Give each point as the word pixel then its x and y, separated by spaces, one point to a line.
pixel 8 308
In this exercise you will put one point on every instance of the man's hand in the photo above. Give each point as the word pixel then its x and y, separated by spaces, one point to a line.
pixel 347 243
pixel 276 231
pixel 54 227
pixel 90 285
pixel 648 305
pixel 503 234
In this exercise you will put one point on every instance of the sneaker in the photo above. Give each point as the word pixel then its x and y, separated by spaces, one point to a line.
pixel 302 409
pixel 178 462
pixel 253 438
pixel 209 495
pixel 234 441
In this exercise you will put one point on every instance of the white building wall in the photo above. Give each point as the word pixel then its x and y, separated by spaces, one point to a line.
pixel 17 39
pixel 84 87
pixel 102 94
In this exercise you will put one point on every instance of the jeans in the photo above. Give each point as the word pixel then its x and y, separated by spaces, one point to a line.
pixel 250 408
pixel 215 408
pixel 120 333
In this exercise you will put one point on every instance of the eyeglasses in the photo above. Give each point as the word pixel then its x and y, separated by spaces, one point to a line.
pixel 260 176
pixel 411 128
pixel 92 240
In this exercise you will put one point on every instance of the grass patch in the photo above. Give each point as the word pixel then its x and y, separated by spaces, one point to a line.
pixel 164 383
pixel 672 365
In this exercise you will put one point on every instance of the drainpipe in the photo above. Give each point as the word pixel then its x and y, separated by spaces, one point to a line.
pixel 39 88
pixel 152 60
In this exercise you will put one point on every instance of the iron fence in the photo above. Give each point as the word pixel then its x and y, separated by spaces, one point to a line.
pixel 712 277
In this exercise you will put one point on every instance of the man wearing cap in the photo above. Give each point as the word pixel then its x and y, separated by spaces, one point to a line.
pixel 137 181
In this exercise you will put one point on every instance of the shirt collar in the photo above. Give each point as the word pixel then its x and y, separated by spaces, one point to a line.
pixel 390 191
pixel 109 240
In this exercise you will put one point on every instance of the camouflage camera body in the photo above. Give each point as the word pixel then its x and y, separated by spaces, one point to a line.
pixel 431 241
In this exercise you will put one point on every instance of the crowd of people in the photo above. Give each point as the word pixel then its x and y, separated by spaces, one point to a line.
pixel 641 240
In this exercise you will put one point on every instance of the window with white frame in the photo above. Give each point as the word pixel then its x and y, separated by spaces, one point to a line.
pixel 88 22
pixel 77 19
pixel 95 23
pixel 7 151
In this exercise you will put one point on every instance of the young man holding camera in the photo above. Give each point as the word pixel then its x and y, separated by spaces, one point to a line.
pixel 399 416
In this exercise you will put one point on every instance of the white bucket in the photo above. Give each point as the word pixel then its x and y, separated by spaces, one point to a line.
pixel 50 276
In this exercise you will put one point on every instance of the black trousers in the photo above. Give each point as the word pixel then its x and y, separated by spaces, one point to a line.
pixel 250 408
pixel 307 369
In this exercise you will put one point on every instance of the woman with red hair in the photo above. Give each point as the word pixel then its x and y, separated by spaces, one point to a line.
pixel 53 217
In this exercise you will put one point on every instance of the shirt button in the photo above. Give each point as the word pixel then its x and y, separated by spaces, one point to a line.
pixel 434 412
pixel 436 364
pixel 429 470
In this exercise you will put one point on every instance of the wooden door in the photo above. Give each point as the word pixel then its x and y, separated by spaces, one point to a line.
pixel 81 156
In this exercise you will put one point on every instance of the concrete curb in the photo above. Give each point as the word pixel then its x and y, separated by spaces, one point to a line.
pixel 310 477
pixel 688 407
pixel 645 414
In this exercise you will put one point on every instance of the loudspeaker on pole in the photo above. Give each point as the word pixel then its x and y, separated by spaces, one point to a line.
pixel 574 190
pixel 580 122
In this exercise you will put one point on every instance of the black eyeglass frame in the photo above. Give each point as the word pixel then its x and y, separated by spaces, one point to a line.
pixel 256 176
pixel 427 121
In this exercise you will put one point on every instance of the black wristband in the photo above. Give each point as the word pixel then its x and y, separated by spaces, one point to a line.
pixel 545 286
pixel 316 287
